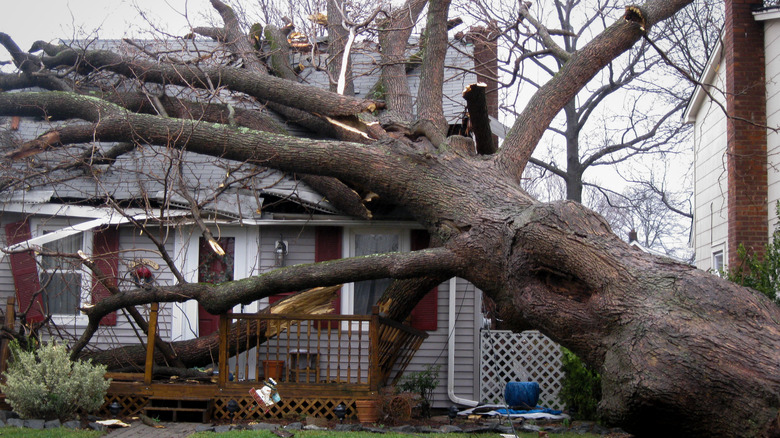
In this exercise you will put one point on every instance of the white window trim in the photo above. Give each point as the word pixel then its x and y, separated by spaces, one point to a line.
pixel 348 250
pixel 246 260
pixel 715 250
pixel 38 228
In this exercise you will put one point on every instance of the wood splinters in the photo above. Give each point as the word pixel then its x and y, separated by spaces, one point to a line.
pixel 34 147
pixel 635 15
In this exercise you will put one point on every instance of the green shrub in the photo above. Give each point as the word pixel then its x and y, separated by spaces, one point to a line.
pixel 760 273
pixel 580 387
pixel 46 384
pixel 423 383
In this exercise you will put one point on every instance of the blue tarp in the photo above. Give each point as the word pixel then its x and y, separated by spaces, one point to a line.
pixel 537 410
pixel 493 410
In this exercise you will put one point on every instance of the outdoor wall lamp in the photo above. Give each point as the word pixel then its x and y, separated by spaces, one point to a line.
pixel 280 251
pixel 114 408
pixel 232 408
pixel 453 413
pixel 340 411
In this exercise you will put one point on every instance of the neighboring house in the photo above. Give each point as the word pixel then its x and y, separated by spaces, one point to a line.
pixel 262 218
pixel 634 242
pixel 736 145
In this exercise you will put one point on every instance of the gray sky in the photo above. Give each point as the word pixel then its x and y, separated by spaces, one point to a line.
pixel 29 20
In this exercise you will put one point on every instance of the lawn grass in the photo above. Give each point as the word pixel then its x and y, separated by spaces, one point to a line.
pixel 334 434
pixel 60 432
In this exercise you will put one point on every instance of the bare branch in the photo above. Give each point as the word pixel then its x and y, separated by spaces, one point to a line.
pixel 260 86
pixel 219 299
pixel 575 73
pixel 561 54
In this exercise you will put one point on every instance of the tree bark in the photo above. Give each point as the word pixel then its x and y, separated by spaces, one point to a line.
pixel 664 335
pixel 393 35
pixel 479 120
pixel 337 39
pixel 430 94
pixel 262 87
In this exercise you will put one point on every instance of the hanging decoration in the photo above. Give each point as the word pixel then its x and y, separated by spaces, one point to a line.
pixel 141 271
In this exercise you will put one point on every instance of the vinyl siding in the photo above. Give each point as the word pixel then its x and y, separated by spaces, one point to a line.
pixel 772 53
pixel 300 245
pixel 132 246
pixel 434 350
pixel 710 184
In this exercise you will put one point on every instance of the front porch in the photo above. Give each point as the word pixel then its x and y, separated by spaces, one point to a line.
pixel 318 361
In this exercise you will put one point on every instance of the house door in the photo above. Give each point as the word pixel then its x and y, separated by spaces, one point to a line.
pixel 213 268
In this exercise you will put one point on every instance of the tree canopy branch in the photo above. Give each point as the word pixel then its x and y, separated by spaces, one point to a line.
pixel 574 74
pixel 260 86
pixel 218 299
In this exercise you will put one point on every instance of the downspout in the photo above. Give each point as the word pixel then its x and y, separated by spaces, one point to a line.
pixel 451 350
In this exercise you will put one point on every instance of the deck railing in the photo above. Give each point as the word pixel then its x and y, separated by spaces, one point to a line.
pixel 300 349
pixel 362 351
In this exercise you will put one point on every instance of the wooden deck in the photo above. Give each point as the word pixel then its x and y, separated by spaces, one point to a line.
pixel 318 362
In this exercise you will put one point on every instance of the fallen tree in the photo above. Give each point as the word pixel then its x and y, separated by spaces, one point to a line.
pixel 680 351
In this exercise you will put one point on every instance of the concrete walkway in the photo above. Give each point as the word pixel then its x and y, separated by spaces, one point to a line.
pixel 138 429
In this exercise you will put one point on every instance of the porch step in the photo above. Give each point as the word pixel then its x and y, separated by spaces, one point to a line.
pixel 182 409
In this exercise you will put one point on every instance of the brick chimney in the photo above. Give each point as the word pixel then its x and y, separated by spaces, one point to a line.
pixel 743 43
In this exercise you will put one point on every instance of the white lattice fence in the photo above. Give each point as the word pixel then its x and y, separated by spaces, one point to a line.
pixel 506 356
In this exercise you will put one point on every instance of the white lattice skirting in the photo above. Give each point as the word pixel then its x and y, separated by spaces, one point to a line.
pixel 519 357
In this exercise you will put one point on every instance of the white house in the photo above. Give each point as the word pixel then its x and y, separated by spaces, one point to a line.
pixel 736 143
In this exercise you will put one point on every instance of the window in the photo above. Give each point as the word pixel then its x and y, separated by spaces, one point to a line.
pixel 64 282
pixel 717 261
pixel 367 292
pixel 361 296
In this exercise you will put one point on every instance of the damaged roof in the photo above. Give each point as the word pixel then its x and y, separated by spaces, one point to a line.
pixel 154 176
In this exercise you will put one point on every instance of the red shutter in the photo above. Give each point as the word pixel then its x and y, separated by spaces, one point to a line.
pixel 278 297
pixel 426 314
pixel 105 250
pixel 25 272
pixel 327 246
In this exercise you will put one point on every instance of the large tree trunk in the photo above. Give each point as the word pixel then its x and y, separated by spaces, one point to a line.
pixel 673 344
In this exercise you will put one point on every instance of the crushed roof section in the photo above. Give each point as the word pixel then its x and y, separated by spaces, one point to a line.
pixel 220 186
pixel 458 73
pixel 156 174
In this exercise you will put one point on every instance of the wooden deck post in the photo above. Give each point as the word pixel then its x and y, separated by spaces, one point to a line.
pixel 10 316
pixel 150 335
pixel 224 327
pixel 373 351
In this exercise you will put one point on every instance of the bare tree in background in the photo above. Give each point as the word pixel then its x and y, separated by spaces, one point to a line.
pixel 628 113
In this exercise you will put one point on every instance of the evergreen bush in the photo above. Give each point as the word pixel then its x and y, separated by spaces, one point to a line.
pixel 580 388
pixel 759 273
pixel 44 383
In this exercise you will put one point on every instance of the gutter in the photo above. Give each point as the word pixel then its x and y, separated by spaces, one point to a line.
pixel 451 350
